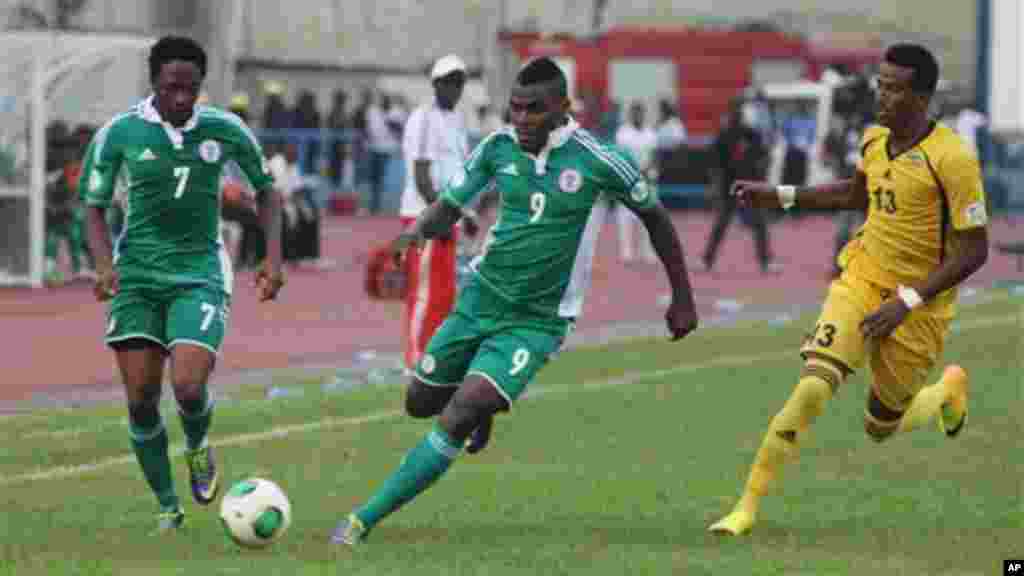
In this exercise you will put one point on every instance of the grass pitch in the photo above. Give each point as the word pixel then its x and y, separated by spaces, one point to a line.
pixel 615 463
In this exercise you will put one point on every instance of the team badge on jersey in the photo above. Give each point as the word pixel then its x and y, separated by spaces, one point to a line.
pixel 570 181
pixel 209 151
pixel 640 192
pixel 975 214
pixel 459 178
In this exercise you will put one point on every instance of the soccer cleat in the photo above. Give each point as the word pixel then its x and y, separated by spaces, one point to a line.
pixel 738 522
pixel 480 437
pixel 351 531
pixel 202 471
pixel 170 520
pixel 953 414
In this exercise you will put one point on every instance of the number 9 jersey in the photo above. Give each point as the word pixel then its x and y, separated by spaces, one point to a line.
pixel 539 252
pixel 171 235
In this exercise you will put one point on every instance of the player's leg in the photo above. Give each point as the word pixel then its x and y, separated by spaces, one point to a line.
pixel 723 217
pixel 899 370
pixel 196 324
pixel 498 374
pixel 831 352
pixel 135 333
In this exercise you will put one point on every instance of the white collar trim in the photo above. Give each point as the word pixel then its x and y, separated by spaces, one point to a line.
pixel 556 139
pixel 149 113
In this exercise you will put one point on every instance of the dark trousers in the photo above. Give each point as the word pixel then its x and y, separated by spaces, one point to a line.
pixel 253 245
pixel 727 210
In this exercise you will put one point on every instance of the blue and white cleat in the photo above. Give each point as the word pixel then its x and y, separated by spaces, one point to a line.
pixel 351 531
pixel 202 469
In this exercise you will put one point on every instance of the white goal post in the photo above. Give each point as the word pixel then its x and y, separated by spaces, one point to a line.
pixel 72 77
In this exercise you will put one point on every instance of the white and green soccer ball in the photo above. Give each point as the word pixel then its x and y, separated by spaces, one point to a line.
pixel 255 512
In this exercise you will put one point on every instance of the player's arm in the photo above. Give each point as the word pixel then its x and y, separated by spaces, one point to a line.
pixel 249 157
pixel 453 202
pixel 96 185
pixel 848 194
pixel 625 183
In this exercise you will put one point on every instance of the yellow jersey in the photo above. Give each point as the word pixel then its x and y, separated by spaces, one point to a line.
pixel 915 199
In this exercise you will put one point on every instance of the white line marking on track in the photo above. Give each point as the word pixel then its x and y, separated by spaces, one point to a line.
pixel 59 472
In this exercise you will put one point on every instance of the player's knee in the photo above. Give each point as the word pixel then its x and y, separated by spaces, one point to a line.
pixel 144 415
pixel 880 421
pixel 474 401
pixel 423 402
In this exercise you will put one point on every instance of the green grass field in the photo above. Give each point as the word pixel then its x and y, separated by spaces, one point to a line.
pixel 616 464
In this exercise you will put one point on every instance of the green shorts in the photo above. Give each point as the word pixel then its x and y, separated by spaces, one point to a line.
pixel 169 315
pixel 488 336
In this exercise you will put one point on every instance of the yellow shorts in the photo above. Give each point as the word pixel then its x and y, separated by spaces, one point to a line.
pixel 900 363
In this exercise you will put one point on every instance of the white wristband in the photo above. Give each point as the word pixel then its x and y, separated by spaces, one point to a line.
pixel 909 296
pixel 787 196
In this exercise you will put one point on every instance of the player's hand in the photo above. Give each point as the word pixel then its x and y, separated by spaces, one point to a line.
pixel 681 318
pixel 750 194
pixel 882 322
pixel 269 280
pixel 108 282
pixel 401 244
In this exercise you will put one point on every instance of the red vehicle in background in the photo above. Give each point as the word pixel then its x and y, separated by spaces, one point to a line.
pixel 699 70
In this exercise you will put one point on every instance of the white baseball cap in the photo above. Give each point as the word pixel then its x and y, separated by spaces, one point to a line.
pixel 447 65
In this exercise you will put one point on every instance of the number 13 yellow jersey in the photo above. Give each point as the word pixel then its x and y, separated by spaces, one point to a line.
pixel 916 198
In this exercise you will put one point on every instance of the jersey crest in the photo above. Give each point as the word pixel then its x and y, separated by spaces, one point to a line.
pixel 209 151
pixel 570 181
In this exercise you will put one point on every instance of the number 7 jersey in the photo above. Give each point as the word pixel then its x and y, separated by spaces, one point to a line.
pixel 171 233
pixel 540 250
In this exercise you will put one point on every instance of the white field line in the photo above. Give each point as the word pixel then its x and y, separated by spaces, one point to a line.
pixel 59 472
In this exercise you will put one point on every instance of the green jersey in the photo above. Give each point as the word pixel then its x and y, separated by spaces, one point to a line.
pixel 171 233
pixel 540 250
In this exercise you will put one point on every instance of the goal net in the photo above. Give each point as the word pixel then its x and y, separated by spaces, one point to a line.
pixel 53 80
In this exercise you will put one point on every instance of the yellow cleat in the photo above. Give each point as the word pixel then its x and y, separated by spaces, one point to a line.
pixel 738 522
pixel 953 415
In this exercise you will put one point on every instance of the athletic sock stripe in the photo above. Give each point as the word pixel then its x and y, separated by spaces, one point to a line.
pixel 441 444
pixel 827 374
pixel 145 435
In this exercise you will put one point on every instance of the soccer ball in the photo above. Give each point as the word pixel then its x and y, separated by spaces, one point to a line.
pixel 255 512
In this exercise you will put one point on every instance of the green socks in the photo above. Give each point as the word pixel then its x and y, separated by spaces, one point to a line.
pixel 150 444
pixel 420 468
pixel 195 419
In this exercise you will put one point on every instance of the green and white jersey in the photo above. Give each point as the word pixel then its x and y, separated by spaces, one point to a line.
pixel 540 251
pixel 172 225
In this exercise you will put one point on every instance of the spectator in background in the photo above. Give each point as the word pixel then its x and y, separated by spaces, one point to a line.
pixel 671 133
pixel 640 140
pixel 307 116
pixel 64 215
pixel 799 131
pixel 238 203
pixel 300 234
pixel 739 154
pixel 611 119
pixel 435 146
pixel 361 146
pixel 383 134
pixel 338 121
pixel 275 114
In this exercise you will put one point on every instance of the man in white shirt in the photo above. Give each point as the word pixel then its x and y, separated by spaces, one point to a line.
pixel 639 140
pixel 435 145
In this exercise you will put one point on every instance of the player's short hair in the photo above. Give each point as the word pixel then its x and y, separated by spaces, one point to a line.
pixel 921 61
pixel 543 71
pixel 171 48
